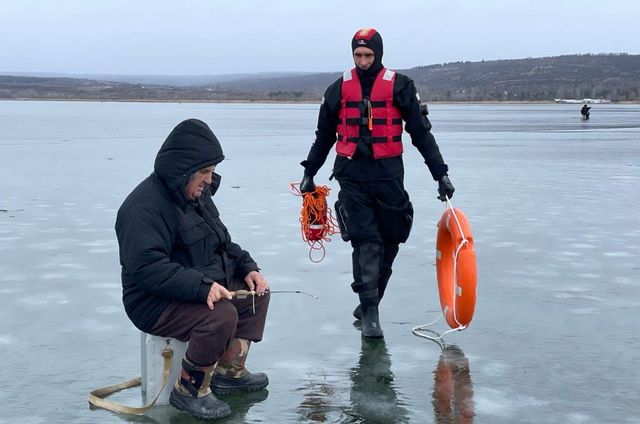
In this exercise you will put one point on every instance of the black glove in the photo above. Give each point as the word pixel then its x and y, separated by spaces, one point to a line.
pixel 445 188
pixel 307 185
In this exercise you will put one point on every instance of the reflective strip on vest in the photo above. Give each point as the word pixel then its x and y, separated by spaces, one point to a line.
pixel 388 75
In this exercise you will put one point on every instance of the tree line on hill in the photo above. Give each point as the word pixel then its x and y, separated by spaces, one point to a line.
pixel 614 77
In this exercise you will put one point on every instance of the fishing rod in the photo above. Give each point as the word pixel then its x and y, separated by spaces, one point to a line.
pixel 242 294
pixel 294 291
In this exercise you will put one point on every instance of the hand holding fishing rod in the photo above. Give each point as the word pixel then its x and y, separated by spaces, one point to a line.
pixel 243 294
pixel 256 283
pixel 216 293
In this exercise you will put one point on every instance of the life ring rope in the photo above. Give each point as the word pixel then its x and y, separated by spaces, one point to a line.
pixel 455 285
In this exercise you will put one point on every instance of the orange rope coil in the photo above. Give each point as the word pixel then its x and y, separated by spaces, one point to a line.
pixel 317 222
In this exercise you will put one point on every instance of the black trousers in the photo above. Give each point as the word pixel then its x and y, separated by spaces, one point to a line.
pixel 377 213
pixel 209 331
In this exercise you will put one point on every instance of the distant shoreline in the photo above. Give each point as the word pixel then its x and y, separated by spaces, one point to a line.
pixel 611 77
pixel 247 101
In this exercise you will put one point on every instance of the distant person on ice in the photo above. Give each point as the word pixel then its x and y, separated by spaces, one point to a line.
pixel 179 267
pixel 363 111
pixel 585 112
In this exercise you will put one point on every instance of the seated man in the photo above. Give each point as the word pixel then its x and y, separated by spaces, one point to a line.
pixel 180 270
pixel 585 111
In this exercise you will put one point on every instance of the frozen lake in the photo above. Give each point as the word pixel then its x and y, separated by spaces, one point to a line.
pixel 554 206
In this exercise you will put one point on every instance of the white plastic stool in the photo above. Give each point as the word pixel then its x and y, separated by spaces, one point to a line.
pixel 152 365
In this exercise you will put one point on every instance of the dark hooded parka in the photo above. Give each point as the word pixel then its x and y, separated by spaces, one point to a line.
pixel 173 248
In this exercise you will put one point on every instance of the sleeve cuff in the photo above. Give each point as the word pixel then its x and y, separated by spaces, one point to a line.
pixel 203 290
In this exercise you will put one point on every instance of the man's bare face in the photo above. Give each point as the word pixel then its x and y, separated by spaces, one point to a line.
pixel 196 184
pixel 363 57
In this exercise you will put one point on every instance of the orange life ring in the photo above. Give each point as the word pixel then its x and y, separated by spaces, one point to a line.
pixel 456 268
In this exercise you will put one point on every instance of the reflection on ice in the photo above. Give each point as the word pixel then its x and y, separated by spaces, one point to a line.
pixel 373 392
pixel 373 395
pixel 453 389
pixel 320 403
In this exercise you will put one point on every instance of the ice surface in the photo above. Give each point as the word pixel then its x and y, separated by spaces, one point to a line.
pixel 553 203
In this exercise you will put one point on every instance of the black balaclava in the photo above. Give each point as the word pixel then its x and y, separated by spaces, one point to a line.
pixel 371 39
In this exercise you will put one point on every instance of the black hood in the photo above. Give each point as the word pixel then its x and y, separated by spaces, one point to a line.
pixel 371 39
pixel 190 146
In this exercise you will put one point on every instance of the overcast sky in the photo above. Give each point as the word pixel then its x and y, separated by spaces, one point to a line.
pixel 223 36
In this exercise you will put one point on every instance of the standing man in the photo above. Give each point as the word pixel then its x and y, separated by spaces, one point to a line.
pixel 180 268
pixel 363 111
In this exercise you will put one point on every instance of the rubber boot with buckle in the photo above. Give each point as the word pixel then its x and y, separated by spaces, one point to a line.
pixel 192 394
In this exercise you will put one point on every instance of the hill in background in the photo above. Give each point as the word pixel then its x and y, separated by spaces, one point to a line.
pixel 615 77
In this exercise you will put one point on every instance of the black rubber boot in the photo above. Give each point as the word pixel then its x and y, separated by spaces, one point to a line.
pixel 389 255
pixel 222 385
pixel 366 273
pixel 371 323
pixel 192 394
pixel 382 285
pixel 357 312
pixel 385 275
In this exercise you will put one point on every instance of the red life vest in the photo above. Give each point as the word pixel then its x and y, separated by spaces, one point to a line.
pixel 378 114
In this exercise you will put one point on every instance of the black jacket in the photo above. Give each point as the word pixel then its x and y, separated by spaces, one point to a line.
pixel 363 167
pixel 172 248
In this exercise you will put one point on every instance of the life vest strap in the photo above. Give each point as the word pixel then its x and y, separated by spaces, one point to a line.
pixel 363 103
pixel 370 140
pixel 376 121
